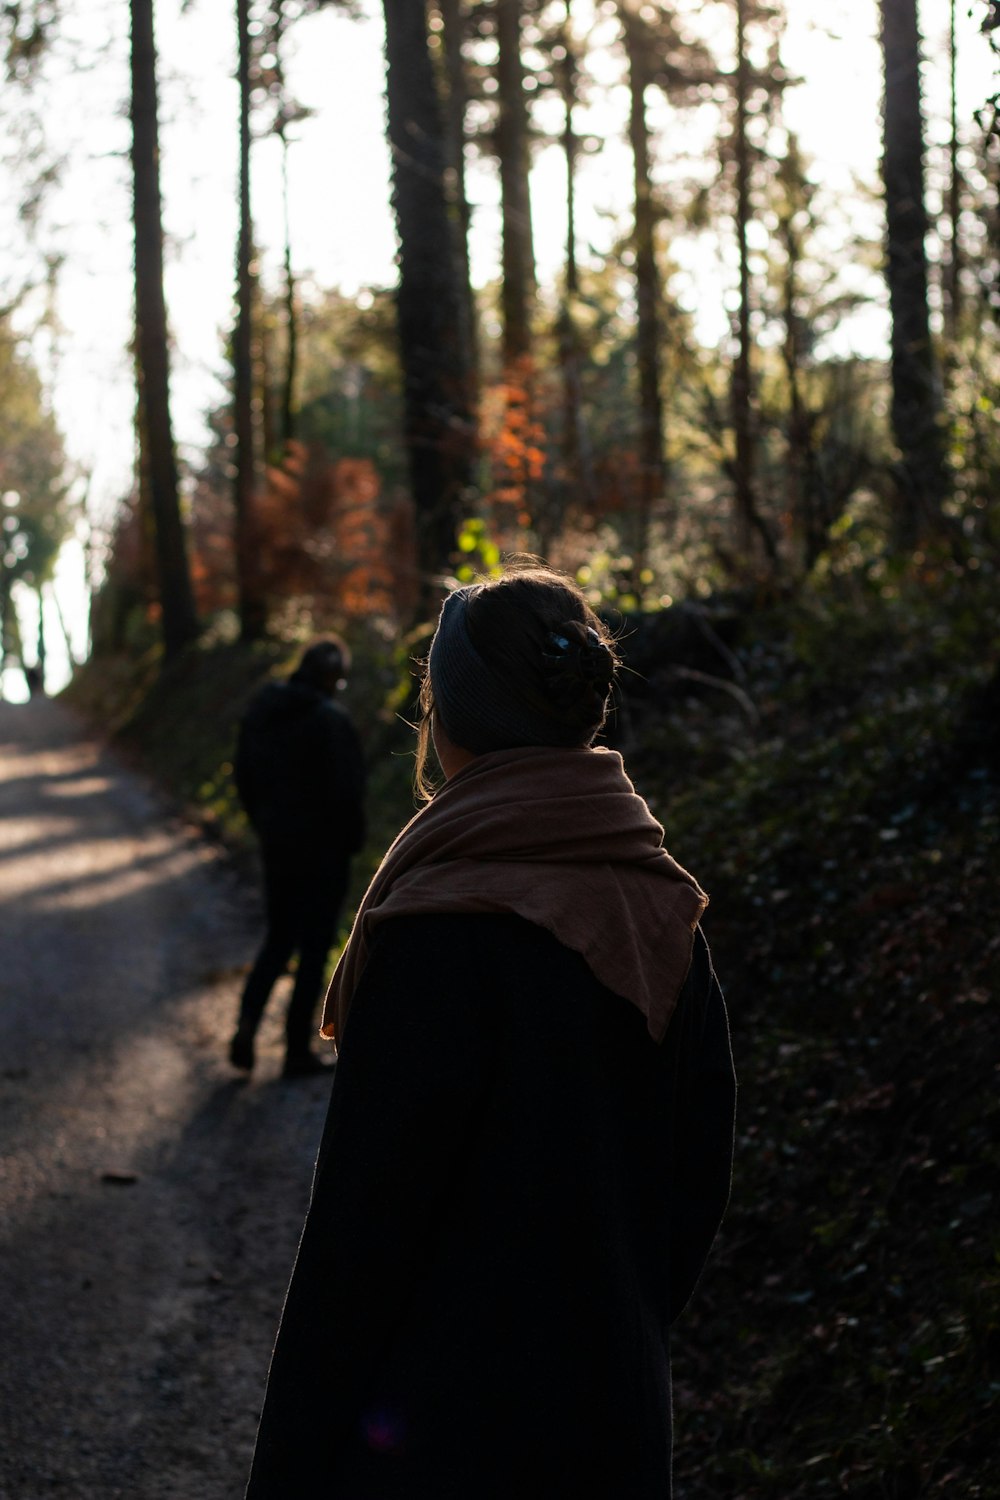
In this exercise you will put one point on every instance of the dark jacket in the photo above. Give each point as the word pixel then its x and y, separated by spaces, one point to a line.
pixel 299 771
pixel 515 1194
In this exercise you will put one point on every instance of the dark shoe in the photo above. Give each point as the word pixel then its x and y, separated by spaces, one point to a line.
pixel 241 1053
pixel 305 1065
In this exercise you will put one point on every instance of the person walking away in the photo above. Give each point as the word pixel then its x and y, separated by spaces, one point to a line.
pixel 528 1147
pixel 299 773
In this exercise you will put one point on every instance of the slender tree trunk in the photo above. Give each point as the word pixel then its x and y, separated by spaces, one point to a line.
pixel 178 619
pixel 440 435
pixel 916 400
pixel 575 454
pixel 518 290
pixel 251 599
pixel 4 623
pixel 267 409
pixel 750 522
pixel 288 404
pixel 571 148
pixel 516 473
pixel 652 482
pixel 953 277
pixel 64 631
pixel 286 401
pixel 802 479
pixel 41 646
pixel 454 21
pixel 741 395
pixel 804 498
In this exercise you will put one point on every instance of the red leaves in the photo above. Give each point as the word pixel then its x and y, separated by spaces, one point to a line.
pixel 329 542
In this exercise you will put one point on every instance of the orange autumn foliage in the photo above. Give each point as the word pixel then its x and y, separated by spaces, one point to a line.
pixel 514 435
pixel 328 539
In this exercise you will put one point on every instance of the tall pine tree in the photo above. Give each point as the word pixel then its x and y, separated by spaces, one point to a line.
pixel 921 477
pixel 156 443
pixel 440 435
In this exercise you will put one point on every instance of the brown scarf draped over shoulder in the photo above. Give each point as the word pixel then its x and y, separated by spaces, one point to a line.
pixel 560 837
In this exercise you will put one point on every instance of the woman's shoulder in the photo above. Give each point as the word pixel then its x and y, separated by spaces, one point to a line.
pixel 504 936
pixel 496 955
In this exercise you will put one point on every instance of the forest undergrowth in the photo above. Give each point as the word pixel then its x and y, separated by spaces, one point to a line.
pixel 830 769
pixel 845 1340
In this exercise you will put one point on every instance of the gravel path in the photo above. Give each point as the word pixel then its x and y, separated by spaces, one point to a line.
pixel 150 1201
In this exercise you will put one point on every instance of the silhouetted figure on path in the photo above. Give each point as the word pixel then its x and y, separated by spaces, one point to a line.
pixel 528 1147
pixel 300 775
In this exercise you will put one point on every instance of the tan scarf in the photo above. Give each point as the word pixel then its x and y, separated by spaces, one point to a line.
pixel 559 837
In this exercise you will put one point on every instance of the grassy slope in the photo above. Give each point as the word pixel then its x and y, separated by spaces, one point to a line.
pixel 847 1335
pixel 844 817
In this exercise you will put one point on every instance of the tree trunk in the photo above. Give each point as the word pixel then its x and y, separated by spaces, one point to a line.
pixel 916 400
pixel 251 600
pixel 288 405
pixel 439 431
pixel 277 449
pixel 5 609
pixel 518 258
pixel 454 24
pixel 265 406
pixel 803 487
pixel 652 480
pixel 575 456
pixel 749 521
pixel 64 631
pixel 178 619
pixel 804 500
pixel 741 396
pixel 571 146
pixel 953 275
pixel 41 645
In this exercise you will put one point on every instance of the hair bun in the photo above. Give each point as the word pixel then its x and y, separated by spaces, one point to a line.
pixel 575 658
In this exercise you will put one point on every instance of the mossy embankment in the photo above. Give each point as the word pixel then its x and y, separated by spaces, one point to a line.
pixel 830 768
pixel 848 1334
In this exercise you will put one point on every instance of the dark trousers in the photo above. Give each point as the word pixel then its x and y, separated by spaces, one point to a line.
pixel 303 908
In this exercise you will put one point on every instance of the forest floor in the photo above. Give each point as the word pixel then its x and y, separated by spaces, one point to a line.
pixel 829 767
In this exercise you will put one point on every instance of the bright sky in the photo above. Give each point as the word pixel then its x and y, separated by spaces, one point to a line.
pixel 341 220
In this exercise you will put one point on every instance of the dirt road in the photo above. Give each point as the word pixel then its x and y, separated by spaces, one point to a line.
pixel 150 1201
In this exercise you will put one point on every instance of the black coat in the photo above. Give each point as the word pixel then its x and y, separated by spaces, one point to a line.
pixel 299 772
pixel 515 1194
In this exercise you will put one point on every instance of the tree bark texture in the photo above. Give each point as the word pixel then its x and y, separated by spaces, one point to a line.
pixel 647 281
pixel 440 436
pixel 575 453
pixel 454 20
pixel 288 402
pixel 571 146
pixel 802 479
pixel 749 521
pixel 179 622
pixel 953 276
pixel 916 399
pixel 518 255
pixel 251 601
pixel 41 647
pixel 287 416
pixel 5 612
pixel 807 495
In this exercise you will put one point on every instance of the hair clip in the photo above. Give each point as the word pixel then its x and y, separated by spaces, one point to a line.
pixel 586 660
